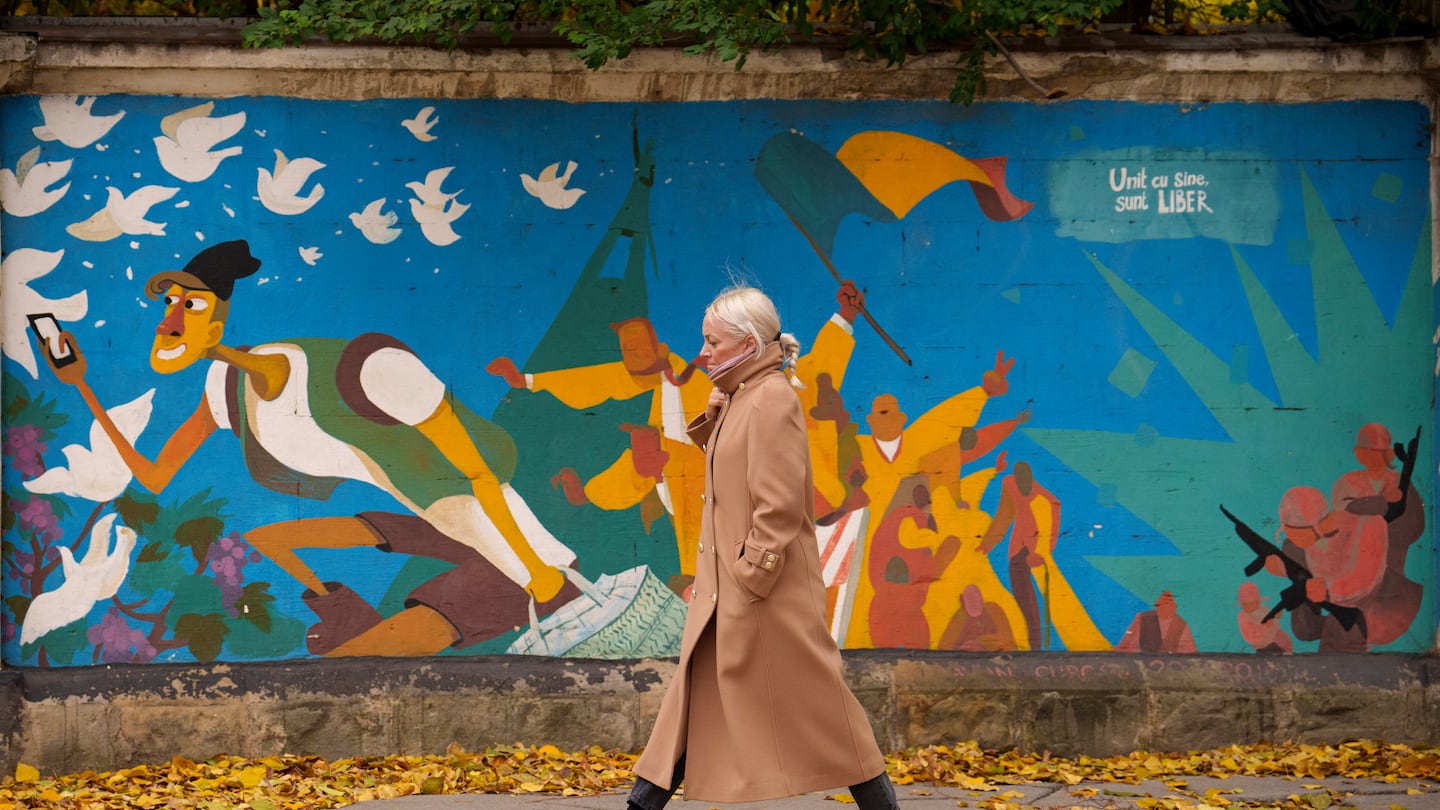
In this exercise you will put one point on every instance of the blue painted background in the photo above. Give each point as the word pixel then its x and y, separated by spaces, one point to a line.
pixel 1140 441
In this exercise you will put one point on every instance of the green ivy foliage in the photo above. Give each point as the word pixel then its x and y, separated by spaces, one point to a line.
pixel 602 30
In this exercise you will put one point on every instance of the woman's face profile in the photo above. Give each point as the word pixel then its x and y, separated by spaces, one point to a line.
pixel 720 344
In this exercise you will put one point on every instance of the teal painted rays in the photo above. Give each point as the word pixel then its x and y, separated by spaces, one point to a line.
pixel 1365 369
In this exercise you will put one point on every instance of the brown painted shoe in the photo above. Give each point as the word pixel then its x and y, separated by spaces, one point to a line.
pixel 343 616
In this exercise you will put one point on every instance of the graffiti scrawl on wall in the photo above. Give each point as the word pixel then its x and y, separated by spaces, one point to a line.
pixel 291 378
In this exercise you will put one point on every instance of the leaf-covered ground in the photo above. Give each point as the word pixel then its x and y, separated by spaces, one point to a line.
pixel 302 783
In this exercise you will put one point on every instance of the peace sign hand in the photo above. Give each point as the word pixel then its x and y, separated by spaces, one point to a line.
pixel 993 381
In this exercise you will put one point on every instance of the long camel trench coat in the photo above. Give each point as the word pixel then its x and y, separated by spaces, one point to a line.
pixel 758 705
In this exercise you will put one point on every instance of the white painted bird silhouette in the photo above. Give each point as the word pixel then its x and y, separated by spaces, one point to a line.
pixel 97 473
pixel 280 192
pixel 26 191
pixel 421 124
pixel 96 577
pixel 190 135
pixel 550 189
pixel 375 223
pixel 310 255
pixel 68 120
pixel 435 209
pixel 17 270
pixel 124 214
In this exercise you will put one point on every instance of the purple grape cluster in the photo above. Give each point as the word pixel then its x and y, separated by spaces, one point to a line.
pixel 21 567
pixel 37 515
pixel 24 449
pixel 226 561
pixel 118 641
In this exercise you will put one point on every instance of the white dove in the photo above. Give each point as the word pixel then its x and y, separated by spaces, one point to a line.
pixel 375 224
pixel 26 191
pixel 550 189
pixel 95 578
pixel 97 473
pixel 310 255
pixel 280 192
pixel 124 214
pixel 17 270
pixel 68 120
pixel 435 209
pixel 421 124
pixel 190 135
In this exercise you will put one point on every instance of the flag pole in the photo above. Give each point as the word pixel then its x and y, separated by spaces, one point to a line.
pixel 889 341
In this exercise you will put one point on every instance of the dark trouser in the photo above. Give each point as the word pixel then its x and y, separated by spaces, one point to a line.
pixel 1024 592
pixel 872 794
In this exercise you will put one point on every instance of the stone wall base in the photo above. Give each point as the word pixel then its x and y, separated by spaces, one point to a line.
pixel 110 717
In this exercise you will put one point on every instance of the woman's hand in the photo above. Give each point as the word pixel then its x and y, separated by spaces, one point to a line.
pixel 717 401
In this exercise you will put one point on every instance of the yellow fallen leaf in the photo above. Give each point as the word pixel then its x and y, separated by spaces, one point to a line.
pixel 26 773
pixel 531 787
pixel 973 783
pixel 843 798
pixel 252 776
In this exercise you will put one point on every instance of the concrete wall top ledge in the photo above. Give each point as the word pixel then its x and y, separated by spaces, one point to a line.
pixel 920 671
pixel 203 57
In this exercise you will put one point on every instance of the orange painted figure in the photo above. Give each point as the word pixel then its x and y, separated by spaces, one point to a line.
pixel 893 452
pixel 1017 513
pixel 663 469
pixel 978 626
pixel 314 412
pixel 906 555
pixel 1158 631
pixel 957 492
pixel 1262 636
pixel 838 471
pixel 1346 567
pixel 1367 498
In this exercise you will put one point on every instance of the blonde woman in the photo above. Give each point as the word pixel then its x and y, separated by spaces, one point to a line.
pixel 758 708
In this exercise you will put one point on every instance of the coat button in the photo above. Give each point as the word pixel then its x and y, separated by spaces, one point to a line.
pixel 702 497
pixel 702 548
pixel 712 597
pixel 769 564
pixel 742 386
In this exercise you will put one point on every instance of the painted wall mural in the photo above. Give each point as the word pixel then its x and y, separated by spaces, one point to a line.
pixel 289 378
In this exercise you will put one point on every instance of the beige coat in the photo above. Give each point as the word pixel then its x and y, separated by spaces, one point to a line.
pixel 758 705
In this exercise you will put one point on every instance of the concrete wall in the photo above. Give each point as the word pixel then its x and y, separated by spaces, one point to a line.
pixel 1070 704
pixel 1210 266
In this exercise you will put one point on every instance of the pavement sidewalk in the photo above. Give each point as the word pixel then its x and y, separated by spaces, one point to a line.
pixel 1360 794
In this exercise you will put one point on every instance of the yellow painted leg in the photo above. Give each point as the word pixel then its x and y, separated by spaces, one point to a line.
pixel 445 431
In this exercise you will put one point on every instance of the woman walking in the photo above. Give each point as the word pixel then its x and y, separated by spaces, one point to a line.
pixel 758 708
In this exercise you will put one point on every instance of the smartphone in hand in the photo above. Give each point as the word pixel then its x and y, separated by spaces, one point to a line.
pixel 47 331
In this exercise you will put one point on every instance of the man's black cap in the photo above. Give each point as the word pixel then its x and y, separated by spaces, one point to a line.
pixel 220 265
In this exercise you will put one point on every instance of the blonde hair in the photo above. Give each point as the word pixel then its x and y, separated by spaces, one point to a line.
pixel 746 310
